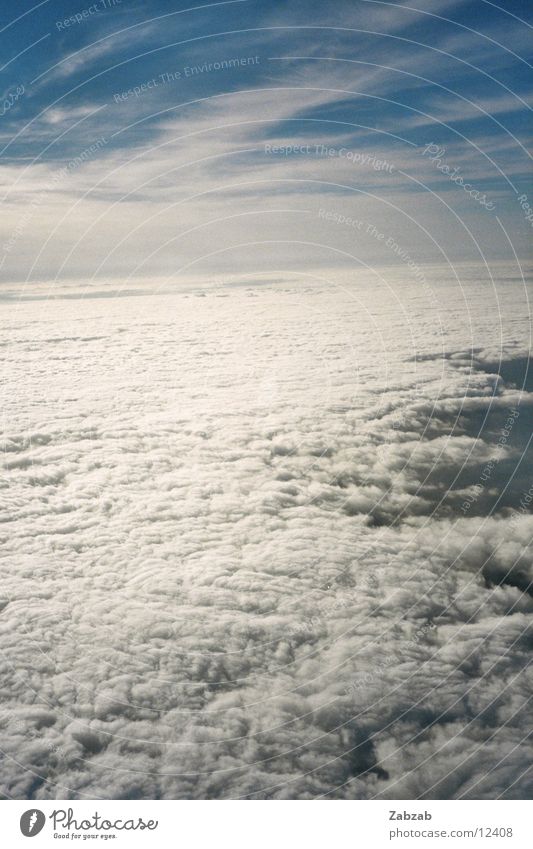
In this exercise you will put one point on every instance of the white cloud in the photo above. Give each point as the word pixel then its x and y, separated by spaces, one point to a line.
pixel 241 565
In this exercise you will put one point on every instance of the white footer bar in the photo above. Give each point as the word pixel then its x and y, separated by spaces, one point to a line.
pixel 268 824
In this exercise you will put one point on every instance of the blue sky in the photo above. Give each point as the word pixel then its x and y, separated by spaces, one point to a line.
pixel 216 139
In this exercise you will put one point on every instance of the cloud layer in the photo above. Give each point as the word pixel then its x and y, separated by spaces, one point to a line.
pixel 269 540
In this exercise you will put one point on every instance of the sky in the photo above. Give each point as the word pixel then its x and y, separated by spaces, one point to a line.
pixel 155 141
